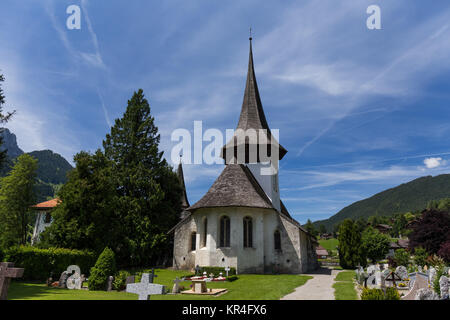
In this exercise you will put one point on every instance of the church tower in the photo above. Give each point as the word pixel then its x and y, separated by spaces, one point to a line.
pixel 253 138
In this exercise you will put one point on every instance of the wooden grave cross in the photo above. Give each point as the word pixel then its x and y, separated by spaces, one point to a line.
pixel 7 272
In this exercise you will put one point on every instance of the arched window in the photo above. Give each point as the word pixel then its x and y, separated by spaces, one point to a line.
pixel 193 241
pixel 205 232
pixel 277 239
pixel 248 233
pixel 224 231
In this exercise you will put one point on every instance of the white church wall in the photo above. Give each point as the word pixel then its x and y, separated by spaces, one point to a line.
pixel 262 257
pixel 40 226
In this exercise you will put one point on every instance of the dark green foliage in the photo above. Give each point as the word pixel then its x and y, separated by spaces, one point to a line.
pixel 104 267
pixel 126 198
pixel 409 197
pixel 378 294
pixel 120 280
pixel 310 228
pixel 148 191
pixel 430 230
pixel 375 244
pixel 440 271
pixel 39 263
pixel 420 256
pixel 217 270
pixel 16 197
pixel 3 119
pixel 86 218
pixel 350 245
pixel 401 257
pixel 372 294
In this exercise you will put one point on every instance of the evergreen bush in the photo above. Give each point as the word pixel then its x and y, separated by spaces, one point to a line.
pixel 104 267
pixel 40 263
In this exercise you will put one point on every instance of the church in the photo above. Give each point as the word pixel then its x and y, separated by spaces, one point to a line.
pixel 241 221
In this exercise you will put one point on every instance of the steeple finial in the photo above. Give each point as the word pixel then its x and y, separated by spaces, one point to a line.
pixel 250 38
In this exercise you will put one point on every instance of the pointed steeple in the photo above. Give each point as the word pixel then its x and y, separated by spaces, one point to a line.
pixel 184 199
pixel 252 113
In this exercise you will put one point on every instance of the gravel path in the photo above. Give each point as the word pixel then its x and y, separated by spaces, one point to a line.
pixel 318 288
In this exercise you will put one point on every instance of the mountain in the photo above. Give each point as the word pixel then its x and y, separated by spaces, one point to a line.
pixel 52 168
pixel 411 196
pixel 10 143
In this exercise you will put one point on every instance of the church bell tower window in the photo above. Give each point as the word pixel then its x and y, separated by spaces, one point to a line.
pixel 193 241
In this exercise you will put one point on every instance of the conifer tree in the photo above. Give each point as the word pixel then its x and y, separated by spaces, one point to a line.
pixel 350 249
pixel 3 119
pixel 149 191
pixel 16 197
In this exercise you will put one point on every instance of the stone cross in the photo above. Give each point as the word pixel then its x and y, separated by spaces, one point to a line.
pixel 7 272
pixel 227 269
pixel 176 285
pixel 145 288
pixel 152 275
pixel 197 270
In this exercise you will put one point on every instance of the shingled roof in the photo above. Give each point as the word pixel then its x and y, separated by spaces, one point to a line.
pixel 184 199
pixel 235 187
pixel 252 113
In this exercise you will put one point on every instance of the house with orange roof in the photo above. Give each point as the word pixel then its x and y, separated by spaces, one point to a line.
pixel 43 218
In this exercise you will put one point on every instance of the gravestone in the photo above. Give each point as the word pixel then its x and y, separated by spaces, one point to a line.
pixel 444 285
pixel 426 294
pixel 129 280
pixel 371 269
pixel 7 272
pixel 419 269
pixel 63 280
pixel 74 280
pixel 109 285
pixel 227 269
pixel 402 272
pixel 378 278
pixel 176 285
pixel 432 275
pixel 145 288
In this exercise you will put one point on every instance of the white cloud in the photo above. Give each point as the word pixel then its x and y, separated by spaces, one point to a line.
pixel 432 163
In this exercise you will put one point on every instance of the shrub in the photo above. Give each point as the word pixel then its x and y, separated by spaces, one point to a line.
pixel 378 294
pixel 39 263
pixel 232 278
pixel 104 267
pixel 391 294
pixel 372 294
pixel 217 270
pixel 350 248
pixel 120 279
pixel 440 271
pixel 420 256
pixel 392 263
pixel 401 257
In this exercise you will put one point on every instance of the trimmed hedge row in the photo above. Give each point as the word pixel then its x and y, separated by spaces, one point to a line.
pixel 39 263
pixel 217 270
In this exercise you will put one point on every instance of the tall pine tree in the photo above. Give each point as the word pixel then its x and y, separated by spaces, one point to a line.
pixel 149 191
pixel 3 119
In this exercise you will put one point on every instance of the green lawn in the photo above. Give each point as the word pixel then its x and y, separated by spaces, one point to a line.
pixel 329 244
pixel 247 287
pixel 344 288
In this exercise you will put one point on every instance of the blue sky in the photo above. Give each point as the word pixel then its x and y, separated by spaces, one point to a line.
pixel 358 110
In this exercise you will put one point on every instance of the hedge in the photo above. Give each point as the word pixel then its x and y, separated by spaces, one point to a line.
pixel 39 263
pixel 217 270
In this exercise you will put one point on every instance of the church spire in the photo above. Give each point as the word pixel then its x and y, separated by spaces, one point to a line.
pixel 252 113
pixel 184 199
